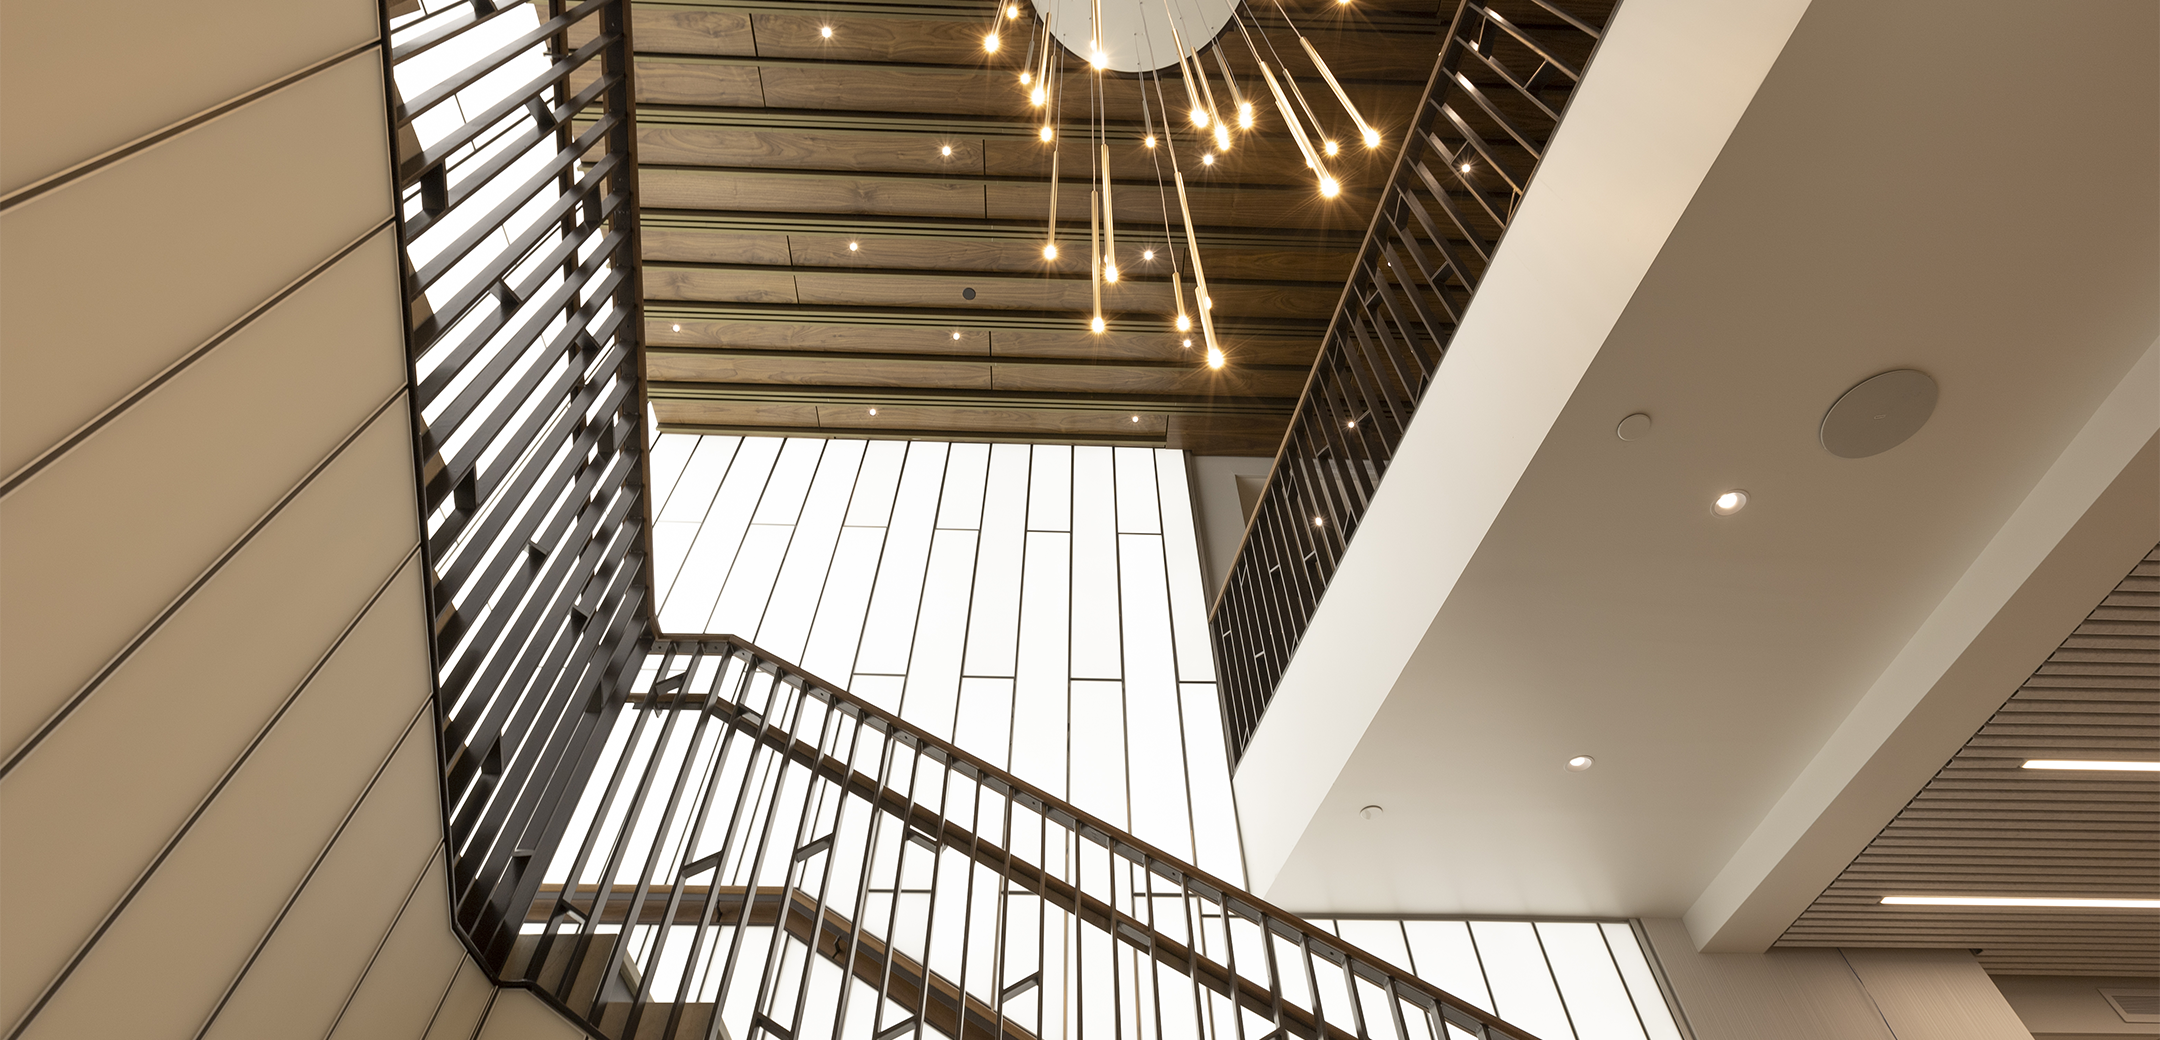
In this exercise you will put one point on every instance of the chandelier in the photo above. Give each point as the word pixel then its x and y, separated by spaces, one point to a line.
pixel 1154 40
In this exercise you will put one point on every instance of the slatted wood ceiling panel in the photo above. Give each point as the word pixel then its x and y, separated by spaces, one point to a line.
pixel 1985 826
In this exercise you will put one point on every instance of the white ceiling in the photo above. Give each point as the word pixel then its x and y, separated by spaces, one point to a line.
pixel 1929 185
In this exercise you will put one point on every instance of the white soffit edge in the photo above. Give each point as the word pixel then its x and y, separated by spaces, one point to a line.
pixel 2085 524
pixel 1609 192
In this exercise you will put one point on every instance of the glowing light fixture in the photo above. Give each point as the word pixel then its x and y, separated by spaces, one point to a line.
pixel 956 335
pixel 990 43
pixel 2032 901
pixel 946 151
pixel 1466 167
pixel 1147 254
pixel 1208 159
pixel 1050 251
pixel 1184 324
pixel 1245 115
pixel 1214 358
pixel 1047 134
pixel 2107 765
pixel 1097 325
pixel 677 328
pixel 1222 137
pixel 1329 188
pixel 852 247
pixel 825 31
pixel 1316 522
pixel 1036 99
pixel 1026 78
pixel 1729 503
pixel 1331 148
pixel 873 411
pixel 1580 763
pixel 1012 10
pixel 1199 117
pixel 1150 140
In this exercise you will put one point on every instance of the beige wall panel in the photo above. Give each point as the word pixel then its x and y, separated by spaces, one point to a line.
pixel 518 1015
pixel 309 966
pixel 462 1008
pixel 185 705
pixel 1935 995
pixel 103 538
pixel 177 242
pixel 1786 995
pixel 161 966
pixel 108 73
pixel 406 981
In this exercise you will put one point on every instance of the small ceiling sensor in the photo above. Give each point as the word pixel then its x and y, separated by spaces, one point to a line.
pixel 1580 763
pixel 1729 503
pixel 1634 428
pixel 1879 414
pixel 1370 812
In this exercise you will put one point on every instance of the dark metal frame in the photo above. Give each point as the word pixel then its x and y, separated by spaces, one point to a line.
pixel 1432 237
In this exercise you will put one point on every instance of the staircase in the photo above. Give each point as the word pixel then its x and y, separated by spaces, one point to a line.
pixel 758 842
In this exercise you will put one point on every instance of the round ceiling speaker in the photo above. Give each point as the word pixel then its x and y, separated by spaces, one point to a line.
pixel 1879 414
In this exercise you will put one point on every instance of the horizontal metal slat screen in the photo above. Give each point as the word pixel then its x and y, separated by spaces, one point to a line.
pixel 1502 82
pixel 518 225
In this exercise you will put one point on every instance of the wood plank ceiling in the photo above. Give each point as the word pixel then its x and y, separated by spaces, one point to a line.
pixel 767 149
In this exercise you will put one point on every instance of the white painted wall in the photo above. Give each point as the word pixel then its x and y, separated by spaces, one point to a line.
pixel 1850 994
pixel 218 807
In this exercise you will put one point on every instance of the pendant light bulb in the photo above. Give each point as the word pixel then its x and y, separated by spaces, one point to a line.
pixel 1097 325
pixel 1036 97
pixel 1331 147
pixel 1150 141
pixel 1245 116
pixel 1328 188
pixel 1214 357
pixel 1372 138
pixel 1199 117
pixel 1222 137
pixel 1109 273
pixel 990 43
pixel 1046 134
pixel 1027 77
pixel 1050 251
pixel 1184 324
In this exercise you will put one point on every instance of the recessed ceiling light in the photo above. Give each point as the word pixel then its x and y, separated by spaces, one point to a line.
pixel 873 411
pixel 1136 418
pixel 1371 812
pixel 1012 10
pixel 1207 159
pixel 1352 424
pixel 1147 254
pixel 946 150
pixel 1316 521
pixel 1729 503
pixel 852 247
pixel 1188 341
pixel 2092 763
pixel 956 335
pixel 2032 901
pixel 1150 142
pixel 825 31
pixel 677 328
pixel 1580 763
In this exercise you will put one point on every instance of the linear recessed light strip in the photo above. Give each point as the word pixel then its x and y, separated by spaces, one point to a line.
pixel 2109 765
pixel 2027 901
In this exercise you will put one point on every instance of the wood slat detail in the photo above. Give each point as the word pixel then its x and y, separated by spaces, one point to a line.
pixel 1986 826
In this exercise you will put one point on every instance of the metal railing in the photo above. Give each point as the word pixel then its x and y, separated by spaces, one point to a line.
pixel 768 856
pixel 1504 76
pixel 519 245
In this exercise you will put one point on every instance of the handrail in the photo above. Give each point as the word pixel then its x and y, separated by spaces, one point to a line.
pixel 735 780
pixel 1481 128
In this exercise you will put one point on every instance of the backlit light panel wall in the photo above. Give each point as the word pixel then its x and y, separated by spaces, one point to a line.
pixel 1039 605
